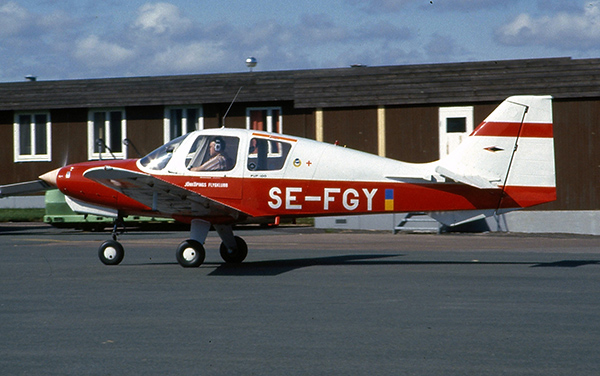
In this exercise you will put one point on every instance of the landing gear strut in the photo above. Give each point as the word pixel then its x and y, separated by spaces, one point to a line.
pixel 111 252
pixel 233 248
pixel 190 253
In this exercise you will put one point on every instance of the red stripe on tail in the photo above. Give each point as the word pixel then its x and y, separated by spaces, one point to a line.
pixel 506 129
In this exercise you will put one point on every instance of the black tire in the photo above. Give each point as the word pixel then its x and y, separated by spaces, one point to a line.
pixel 111 252
pixel 190 254
pixel 234 256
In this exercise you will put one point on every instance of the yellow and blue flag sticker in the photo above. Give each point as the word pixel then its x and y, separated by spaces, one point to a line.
pixel 389 199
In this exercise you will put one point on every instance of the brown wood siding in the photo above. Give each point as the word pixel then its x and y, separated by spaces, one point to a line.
pixel 145 128
pixel 212 115
pixel 69 136
pixel 577 145
pixel 481 112
pixel 355 128
pixel 7 165
pixel 412 133
pixel 299 123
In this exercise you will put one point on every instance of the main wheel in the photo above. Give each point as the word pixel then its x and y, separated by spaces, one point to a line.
pixel 190 254
pixel 234 256
pixel 111 252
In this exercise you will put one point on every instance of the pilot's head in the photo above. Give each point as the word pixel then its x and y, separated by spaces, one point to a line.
pixel 216 146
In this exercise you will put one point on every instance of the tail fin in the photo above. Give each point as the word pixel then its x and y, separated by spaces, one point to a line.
pixel 513 149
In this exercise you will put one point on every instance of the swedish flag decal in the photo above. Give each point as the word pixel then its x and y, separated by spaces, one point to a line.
pixel 389 199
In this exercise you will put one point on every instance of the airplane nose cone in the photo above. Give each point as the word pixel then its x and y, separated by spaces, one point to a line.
pixel 50 177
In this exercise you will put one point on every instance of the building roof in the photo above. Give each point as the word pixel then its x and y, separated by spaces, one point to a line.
pixel 340 87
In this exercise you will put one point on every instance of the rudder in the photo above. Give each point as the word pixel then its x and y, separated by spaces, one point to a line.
pixel 512 149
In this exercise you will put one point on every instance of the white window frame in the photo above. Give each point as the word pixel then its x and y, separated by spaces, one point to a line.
pixel 34 156
pixel 269 117
pixel 449 140
pixel 92 154
pixel 167 136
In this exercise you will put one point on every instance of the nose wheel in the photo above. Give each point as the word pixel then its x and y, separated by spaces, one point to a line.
pixel 111 252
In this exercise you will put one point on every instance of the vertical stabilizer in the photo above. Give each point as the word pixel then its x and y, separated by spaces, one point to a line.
pixel 512 149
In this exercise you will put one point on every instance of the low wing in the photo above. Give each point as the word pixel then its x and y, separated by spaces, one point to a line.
pixel 160 196
pixel 24 189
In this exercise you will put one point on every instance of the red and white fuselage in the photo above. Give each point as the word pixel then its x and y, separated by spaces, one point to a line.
pixel 507 163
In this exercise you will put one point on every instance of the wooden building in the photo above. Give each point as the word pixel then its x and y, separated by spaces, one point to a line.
pixel 414 113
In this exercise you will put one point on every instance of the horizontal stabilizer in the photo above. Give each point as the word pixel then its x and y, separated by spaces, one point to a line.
pixel 24 189
pixel 474 181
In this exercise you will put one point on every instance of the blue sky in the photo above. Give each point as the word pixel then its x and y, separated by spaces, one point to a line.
pixel 63 39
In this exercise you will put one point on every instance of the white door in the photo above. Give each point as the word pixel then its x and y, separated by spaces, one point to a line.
pixel 456 124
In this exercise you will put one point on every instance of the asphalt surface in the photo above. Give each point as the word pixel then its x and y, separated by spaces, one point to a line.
pixel 305 302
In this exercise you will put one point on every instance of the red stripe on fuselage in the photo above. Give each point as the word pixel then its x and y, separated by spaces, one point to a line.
pixel 507 129
pixel 269 197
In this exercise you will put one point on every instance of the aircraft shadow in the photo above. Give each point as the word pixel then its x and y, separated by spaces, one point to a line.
pixel 566 264
pixel 277 267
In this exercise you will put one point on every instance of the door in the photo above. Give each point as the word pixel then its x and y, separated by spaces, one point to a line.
pixel 456 124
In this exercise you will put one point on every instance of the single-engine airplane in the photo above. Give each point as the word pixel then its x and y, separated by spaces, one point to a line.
pixel 221 177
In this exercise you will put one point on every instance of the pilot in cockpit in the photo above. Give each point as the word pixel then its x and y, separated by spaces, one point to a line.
pixel 218 159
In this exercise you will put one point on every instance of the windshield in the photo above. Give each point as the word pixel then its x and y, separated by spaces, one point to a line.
pixel 158 159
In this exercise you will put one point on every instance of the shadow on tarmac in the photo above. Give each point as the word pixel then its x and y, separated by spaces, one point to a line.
pixel 277 267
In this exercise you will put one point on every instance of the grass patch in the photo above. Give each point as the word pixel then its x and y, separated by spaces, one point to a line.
pixel 307 221
pixel 22 215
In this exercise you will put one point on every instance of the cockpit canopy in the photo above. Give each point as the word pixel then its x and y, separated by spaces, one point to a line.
pixel 207 153
pixel 218 153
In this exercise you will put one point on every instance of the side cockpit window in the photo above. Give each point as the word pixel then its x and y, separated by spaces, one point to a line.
pixel 213 153
pixel 267 155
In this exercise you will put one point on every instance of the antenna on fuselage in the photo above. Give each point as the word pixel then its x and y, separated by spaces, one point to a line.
pixel 231 104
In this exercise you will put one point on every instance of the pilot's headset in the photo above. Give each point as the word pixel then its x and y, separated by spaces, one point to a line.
pixel 219 144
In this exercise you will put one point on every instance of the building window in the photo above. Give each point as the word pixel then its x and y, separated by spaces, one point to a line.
pixel 32 137
pixel 456 124
pixel 264 119
pixel 182 120
pixel 106 132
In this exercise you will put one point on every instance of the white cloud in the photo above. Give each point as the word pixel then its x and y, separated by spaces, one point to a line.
pixel 571 31
pixel 193 57
pixel 97 53
pixel 161 18
pixel 397 6
pixel 320 28
pixel 383 6
pixel 13 19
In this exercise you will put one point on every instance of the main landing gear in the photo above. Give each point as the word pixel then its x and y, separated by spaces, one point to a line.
pixel 190 253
